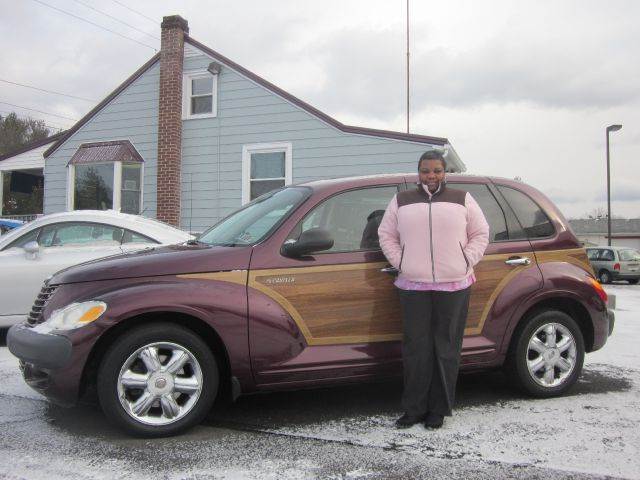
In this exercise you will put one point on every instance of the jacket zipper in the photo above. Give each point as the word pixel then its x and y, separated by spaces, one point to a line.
pixel 464 256
pixel 401 257
pixel 433 265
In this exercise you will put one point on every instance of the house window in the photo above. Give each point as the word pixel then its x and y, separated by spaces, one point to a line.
pixel 105 176
pixel 265 167
pixel 106 186
pixel 199 95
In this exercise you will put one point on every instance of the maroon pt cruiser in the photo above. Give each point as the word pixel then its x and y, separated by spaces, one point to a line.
pixel 293 291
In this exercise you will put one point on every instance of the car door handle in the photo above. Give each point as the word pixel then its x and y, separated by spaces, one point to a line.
pixel 518 261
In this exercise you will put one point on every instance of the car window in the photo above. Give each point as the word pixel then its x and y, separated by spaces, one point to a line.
pixel 629 255
pixel 534 221
pixel 133 237
pixel 256 220
pixel 351 218
pixel 76 233
pixel 490 207
pixel 592 253
pixel 607 255
pixel 19 242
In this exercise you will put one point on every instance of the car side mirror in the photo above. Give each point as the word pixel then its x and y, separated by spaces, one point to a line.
pixel 31 248
pixel 310 241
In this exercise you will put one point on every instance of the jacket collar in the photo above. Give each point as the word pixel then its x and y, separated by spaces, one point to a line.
pixel 421 190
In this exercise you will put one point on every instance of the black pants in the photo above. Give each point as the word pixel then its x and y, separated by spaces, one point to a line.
pixel 433 326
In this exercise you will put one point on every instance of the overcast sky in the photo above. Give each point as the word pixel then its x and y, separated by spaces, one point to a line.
pixel 520 88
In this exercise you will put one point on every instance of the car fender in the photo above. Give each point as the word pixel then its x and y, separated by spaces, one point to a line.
pixel 561 280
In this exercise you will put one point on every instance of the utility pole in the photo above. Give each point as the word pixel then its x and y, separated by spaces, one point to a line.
pixel 407 66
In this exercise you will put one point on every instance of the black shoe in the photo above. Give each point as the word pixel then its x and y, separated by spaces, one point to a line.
pixel 434 420
pixel 406 420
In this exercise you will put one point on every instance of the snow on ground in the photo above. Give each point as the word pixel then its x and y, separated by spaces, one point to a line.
pixel 585 432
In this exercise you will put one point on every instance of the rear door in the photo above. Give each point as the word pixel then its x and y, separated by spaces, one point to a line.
pixel 506 275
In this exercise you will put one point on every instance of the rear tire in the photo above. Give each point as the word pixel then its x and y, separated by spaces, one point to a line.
pixel 157 380
pixel 547 354
pixel 604 276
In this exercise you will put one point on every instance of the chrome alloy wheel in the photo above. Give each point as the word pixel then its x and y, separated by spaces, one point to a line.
pixel 551 355
pixel 159 383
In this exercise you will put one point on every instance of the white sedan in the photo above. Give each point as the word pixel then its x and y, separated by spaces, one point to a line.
pixel 31 253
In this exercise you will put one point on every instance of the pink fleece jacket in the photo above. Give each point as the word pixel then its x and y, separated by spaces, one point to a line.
pixel 434 239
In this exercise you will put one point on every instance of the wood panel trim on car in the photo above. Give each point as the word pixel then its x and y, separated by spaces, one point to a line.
pixel 300 291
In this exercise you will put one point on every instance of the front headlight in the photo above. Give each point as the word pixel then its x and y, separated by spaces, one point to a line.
pixel 73 316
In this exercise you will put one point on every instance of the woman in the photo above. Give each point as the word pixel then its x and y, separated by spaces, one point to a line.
pixel 434 236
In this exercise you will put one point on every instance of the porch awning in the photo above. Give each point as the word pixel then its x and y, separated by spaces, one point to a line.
pixel 102 152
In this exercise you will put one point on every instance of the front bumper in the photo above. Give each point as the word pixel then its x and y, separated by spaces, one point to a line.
pixel 44 350
pixel 51 364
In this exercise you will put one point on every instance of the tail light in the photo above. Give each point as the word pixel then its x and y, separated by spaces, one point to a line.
pixel 616 267
pixel 599 290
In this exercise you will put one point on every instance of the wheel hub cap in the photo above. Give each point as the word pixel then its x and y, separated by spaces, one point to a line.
pixel 160 383
pixel 551 355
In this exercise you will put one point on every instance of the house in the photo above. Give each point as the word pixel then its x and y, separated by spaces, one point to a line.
pixel 21 179
pixel 192 135
pixel 593 231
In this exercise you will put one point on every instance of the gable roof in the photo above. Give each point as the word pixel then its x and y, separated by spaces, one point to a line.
pixel 32 145
pixel 312 110
pixel 439 141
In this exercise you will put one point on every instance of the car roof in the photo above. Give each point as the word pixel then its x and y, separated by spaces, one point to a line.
pixel 153 229
pixel 383 178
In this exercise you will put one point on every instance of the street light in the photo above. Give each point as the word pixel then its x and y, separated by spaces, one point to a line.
pixel 610 128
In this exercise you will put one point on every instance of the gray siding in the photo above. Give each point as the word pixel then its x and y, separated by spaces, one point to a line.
pixel 133 116
pixel 248 113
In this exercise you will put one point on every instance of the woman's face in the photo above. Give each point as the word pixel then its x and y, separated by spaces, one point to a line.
pixel 431 173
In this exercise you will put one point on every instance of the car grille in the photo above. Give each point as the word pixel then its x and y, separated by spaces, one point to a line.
pixel 35 316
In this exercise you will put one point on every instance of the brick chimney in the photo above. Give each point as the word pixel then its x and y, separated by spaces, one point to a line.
pixel 174 29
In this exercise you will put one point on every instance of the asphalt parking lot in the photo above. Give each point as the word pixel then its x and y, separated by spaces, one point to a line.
pixel 347 432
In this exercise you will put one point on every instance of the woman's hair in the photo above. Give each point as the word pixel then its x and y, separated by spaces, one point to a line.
pixel 433 155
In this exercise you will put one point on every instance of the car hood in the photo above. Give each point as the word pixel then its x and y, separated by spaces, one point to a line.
pixel 167 260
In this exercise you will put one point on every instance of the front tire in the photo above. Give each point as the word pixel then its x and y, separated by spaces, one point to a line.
pixel 547 354
pixel 604 276
pixel 157 380
pixel 633 281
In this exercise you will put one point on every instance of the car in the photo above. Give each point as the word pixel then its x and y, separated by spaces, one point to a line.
pixel 292 291
pixel 7 224
pixel 615 263
pixel 37 249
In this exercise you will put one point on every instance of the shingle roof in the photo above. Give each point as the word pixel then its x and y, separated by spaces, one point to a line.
pixel 99 152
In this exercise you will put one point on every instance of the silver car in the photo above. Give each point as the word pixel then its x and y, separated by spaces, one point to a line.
pixel 615 263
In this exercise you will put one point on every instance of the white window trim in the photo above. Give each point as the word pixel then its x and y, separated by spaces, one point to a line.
pixel 186 94
pixel 247 150
pixel 117 186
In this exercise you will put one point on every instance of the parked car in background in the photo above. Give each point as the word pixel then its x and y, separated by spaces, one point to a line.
pixel 7 224
pixel 615 263
pixel 36 250
pixel 293 291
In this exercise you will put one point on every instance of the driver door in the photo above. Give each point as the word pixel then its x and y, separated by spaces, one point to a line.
pixel 345 310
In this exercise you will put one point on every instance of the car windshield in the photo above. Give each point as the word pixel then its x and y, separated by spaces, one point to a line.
pixel 257 219
pixel 629 255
